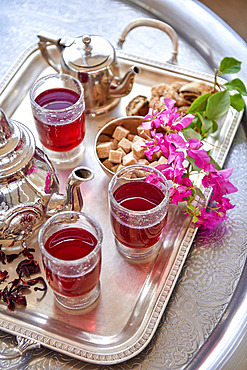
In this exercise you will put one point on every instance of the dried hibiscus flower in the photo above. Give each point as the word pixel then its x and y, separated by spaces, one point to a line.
pixel 12 294
pixel 27 268
pixel 3 275
pixel 35 281
pixel 11 297
pixel 25 252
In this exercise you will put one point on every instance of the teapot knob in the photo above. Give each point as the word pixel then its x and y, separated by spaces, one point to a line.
pixel 86 40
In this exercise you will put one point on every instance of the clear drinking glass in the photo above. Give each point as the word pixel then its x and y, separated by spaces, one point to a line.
pixel 58 108
pixel 70 244
pixel 138 200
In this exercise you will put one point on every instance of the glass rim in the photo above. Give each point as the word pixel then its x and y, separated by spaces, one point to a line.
pixel 57 76
pixel 152 210
pixel 70 263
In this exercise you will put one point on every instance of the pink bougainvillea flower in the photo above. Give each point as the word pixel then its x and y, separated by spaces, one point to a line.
pixel 171 172
pixel 175 145
pixel 194 144
pixel 186 182
pixel 179 194
pixel 218 180
pixel 225 204
pixel 152 119
pixel 209 219
pixel 201 157
pixel 182 122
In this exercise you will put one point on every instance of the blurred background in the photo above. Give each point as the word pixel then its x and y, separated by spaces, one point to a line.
pixel 233 12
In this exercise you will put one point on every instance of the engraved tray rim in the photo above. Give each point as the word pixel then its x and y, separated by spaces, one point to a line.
pixel 137 343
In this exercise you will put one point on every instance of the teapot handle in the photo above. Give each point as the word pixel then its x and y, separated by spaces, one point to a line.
pixel 46 39
pixel 155 24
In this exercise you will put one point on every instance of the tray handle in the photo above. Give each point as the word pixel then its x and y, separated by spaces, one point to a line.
pixel 155 24
pixel 23 345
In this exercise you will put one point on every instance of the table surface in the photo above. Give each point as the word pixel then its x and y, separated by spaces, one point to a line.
pixel 209 294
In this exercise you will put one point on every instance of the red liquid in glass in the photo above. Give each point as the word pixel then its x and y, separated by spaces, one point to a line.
pixel 138 196
pixel 72 244
pixel 54 136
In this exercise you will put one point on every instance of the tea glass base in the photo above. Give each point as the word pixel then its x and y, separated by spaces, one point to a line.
pixel 79 302
pixel 66 160
pixel 137 254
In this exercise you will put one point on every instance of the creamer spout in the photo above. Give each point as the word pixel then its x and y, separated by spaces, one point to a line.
pixel 73 200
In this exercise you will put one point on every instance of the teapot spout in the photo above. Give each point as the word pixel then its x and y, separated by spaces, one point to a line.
pixel 74 196
pixel 123 86
pixel 73 200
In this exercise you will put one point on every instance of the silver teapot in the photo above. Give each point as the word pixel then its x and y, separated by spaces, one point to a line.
pixel 92 60
pixel 29 186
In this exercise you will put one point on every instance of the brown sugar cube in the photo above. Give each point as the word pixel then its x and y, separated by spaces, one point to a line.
pixel 107 164
pixel 115 156
pixel 154 164
pixel 103 138
pixel 143 161
pixel 136 138
pixel 114 144
pixel 143 133
pixel 129 159
pixel 117 167
pixel 162 160
pixel 120 132
pixel 130 137
pixel 125 144
pixel 103 149
pixel 121 151
pixel 138 149
pixel 156 155
pixel 159 154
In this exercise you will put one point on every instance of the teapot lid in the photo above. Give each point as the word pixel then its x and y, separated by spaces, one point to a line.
pixel 17 146
pixel 89 52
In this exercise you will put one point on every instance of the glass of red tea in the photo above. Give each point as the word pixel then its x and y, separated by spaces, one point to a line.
pixel 70 244
pixel 58 108
pixel 138 200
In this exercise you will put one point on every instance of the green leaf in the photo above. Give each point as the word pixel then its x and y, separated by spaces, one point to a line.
pixel 237 85
pixel 193 165
pixel 215 126
pixel 230 65
pixel 218 105
pixel 194 219
pixel 190 207
pixel 199 105
pixel 216 165
pixel 206 125
pixel 192 134
pixel 237 102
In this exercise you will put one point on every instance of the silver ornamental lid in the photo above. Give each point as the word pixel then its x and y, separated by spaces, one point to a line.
pixel 89 53
pixel 17 146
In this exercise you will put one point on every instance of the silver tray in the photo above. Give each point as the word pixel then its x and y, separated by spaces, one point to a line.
pixel 133 297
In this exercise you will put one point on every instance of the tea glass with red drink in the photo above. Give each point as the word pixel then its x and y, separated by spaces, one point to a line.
pixel 70 244
pixel 138 201
pixel 58 108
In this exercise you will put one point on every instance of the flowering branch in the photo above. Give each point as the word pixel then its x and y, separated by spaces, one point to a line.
pixel 184 159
